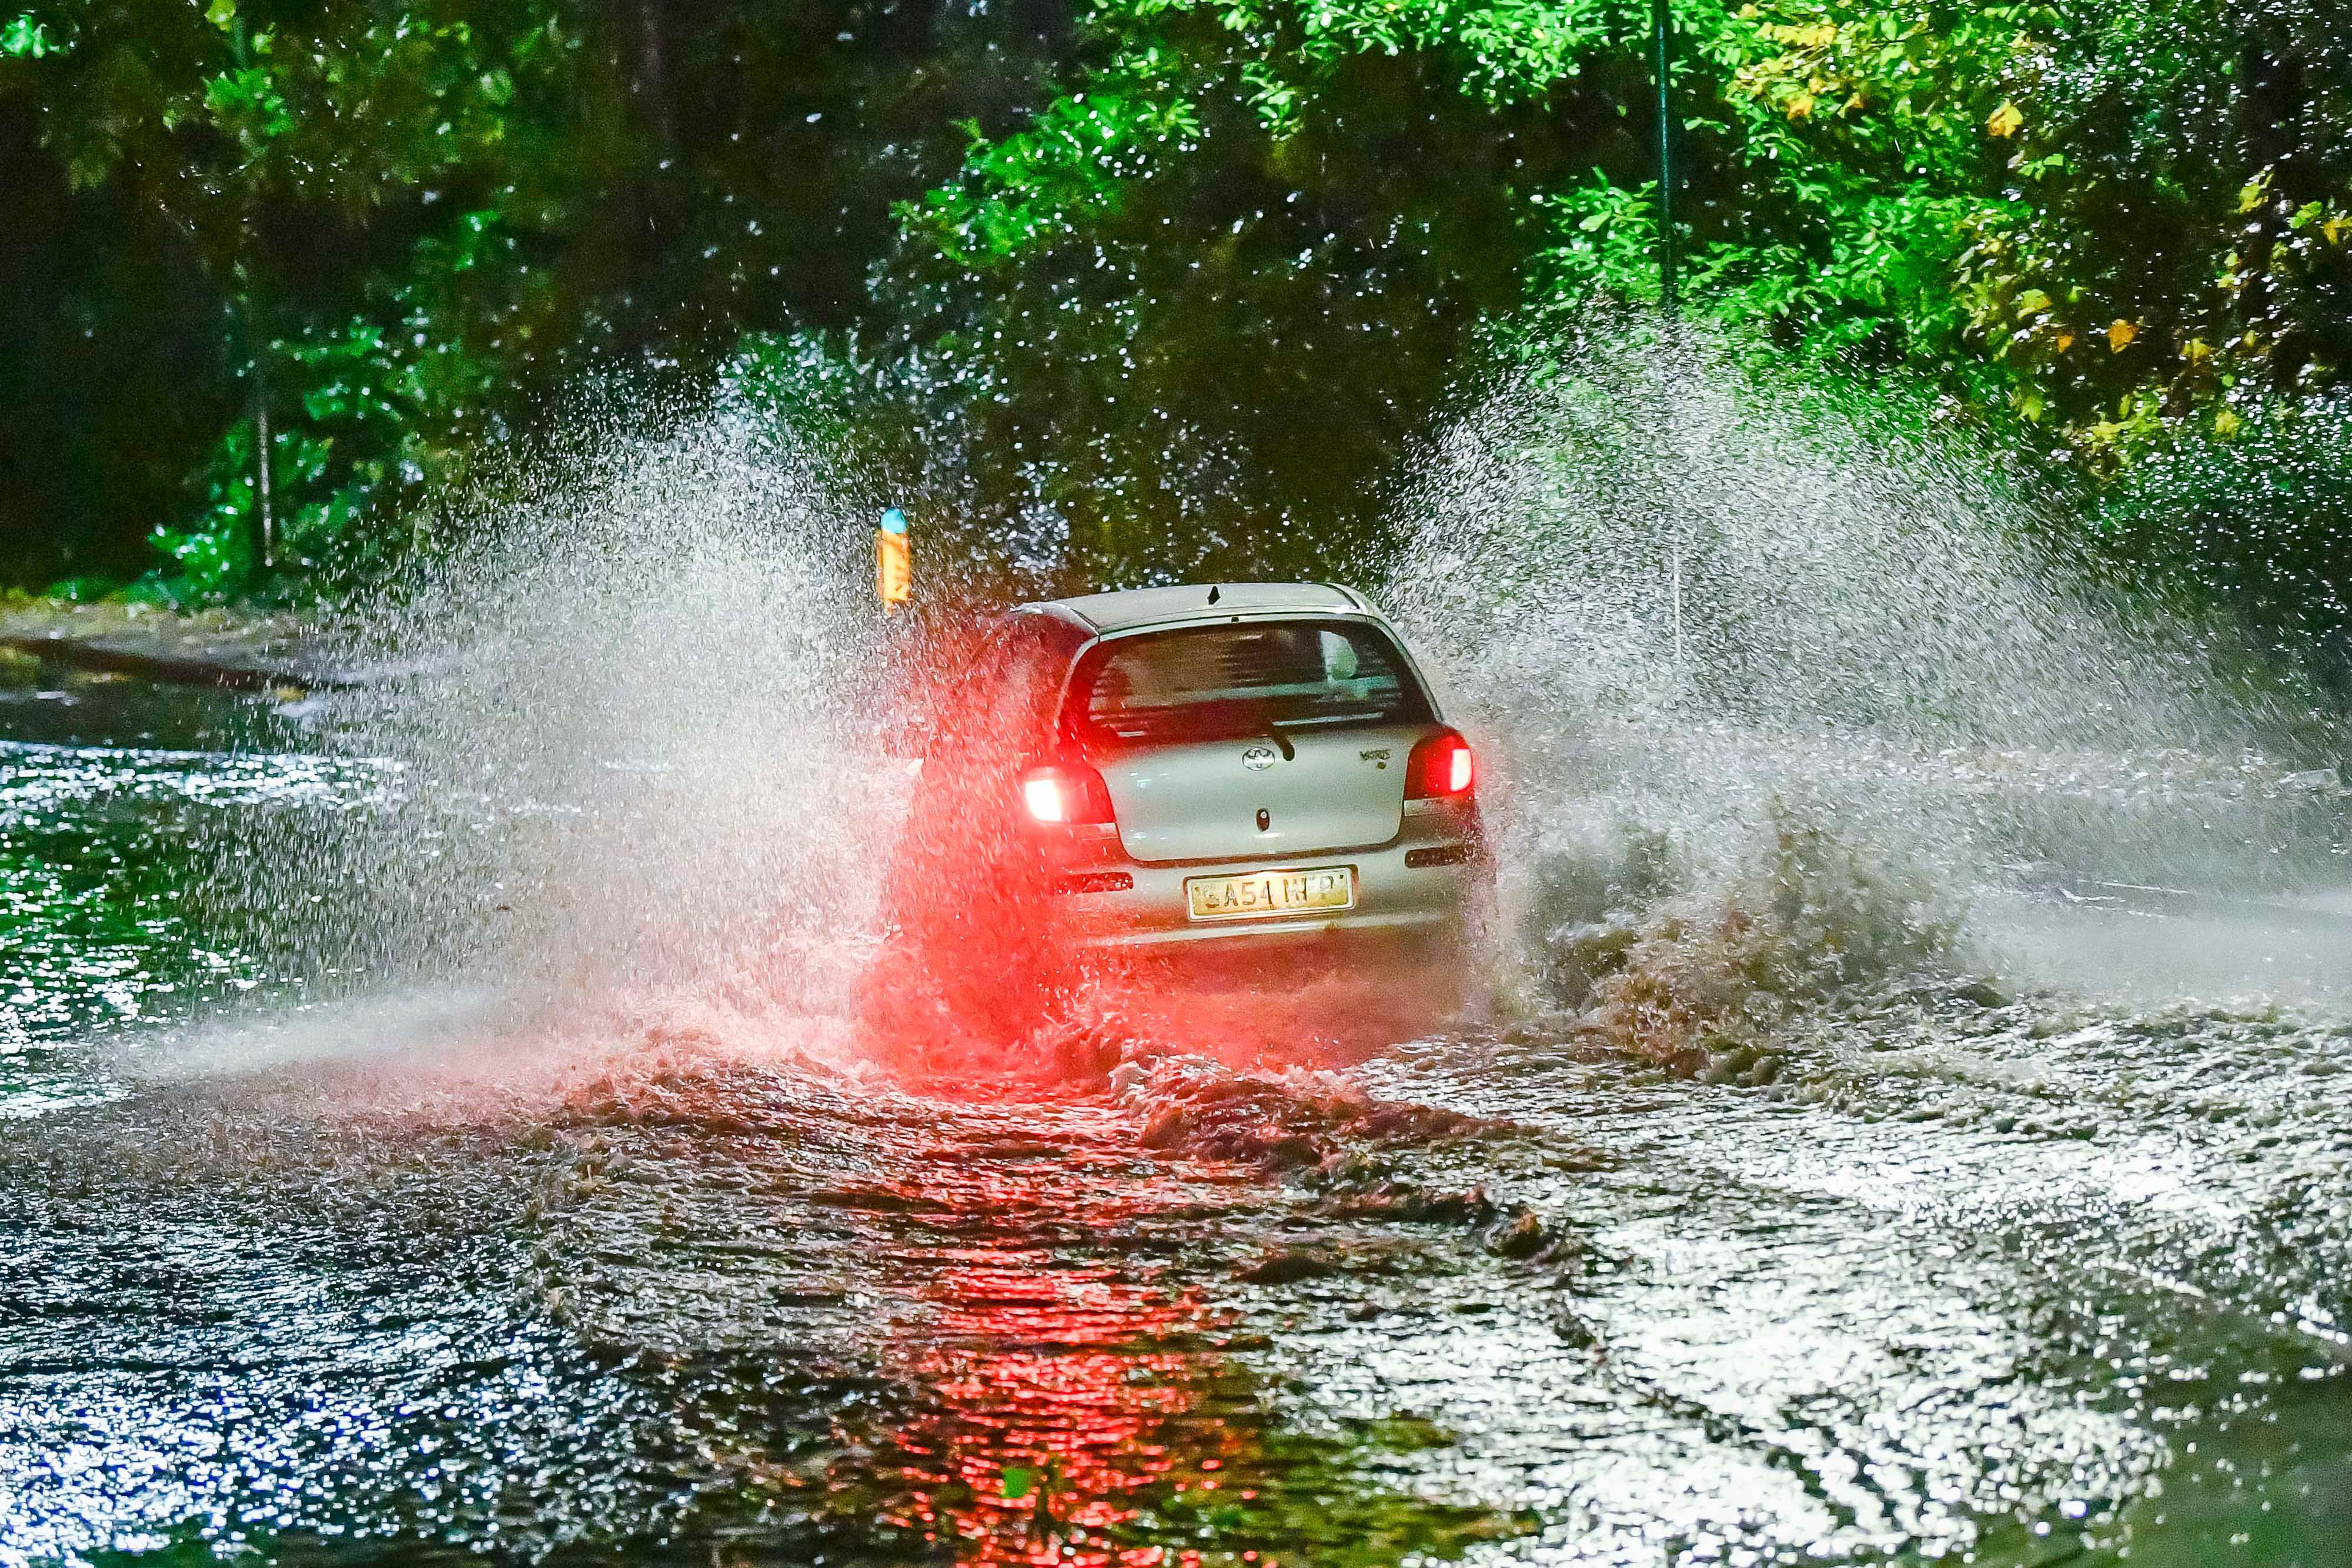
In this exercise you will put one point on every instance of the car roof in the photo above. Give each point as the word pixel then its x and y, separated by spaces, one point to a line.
pixel 1129 608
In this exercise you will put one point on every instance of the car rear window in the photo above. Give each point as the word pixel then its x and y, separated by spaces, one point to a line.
pixel 1225 681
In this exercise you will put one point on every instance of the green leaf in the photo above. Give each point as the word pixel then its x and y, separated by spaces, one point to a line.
pixel 26 39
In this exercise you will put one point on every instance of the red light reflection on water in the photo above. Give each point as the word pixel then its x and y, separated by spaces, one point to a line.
pixel 1060 1427
pixel 1062 1400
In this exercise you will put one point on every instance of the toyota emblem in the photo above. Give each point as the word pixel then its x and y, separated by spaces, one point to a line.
pixel 1259 758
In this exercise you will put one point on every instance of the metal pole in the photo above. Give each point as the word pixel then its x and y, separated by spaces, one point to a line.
pixel 1662 32
pixel 256 351
pixel 257 346
pixel 1660 22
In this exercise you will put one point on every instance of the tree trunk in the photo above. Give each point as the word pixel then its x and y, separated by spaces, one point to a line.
pixel 257 358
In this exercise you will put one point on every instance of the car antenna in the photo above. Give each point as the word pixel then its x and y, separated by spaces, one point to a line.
pixel 1213 592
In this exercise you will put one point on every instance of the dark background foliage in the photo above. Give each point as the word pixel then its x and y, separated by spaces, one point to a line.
pixel 1138 287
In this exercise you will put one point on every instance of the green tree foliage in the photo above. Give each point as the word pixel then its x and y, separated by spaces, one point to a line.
pixel 1184 344
pixel 398 228
pixel 2178 243
pixel 270 158
pixel 2124 223
pixel 2158 188
pixel 1156 287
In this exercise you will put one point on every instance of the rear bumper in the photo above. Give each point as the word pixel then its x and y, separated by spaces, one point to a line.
pixel 1396 898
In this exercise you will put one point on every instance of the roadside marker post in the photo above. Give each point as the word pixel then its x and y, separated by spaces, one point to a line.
pixel 894 572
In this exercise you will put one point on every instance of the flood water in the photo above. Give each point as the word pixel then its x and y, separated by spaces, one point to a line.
pixel 2000 1273
pixel 1904 1113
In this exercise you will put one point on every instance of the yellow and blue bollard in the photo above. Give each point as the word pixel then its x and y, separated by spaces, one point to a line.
pixel 894 572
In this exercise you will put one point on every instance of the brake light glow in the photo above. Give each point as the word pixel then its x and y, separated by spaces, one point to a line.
pixel 1442 767
pixel 1061 793
pixel 1042 792
pixel 1458 769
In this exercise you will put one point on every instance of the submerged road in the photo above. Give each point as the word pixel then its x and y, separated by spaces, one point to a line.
pixel 2015 1275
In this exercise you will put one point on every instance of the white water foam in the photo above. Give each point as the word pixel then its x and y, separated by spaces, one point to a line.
pixel 630 758
pixel 1690 605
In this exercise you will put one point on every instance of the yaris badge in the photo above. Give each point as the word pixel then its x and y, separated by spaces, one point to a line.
pixel 1259 758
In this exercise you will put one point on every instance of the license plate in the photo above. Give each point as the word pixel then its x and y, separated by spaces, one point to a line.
pixel 1262 894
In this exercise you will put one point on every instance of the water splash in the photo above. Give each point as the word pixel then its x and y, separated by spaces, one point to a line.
pixel 1697 609
pixel 624 739
pixel 1965 1279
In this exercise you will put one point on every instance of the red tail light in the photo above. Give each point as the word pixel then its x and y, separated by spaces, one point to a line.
pixel 1441 768
pixel 1063 793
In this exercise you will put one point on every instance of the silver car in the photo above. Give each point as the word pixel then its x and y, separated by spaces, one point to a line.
pixel 1202 768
